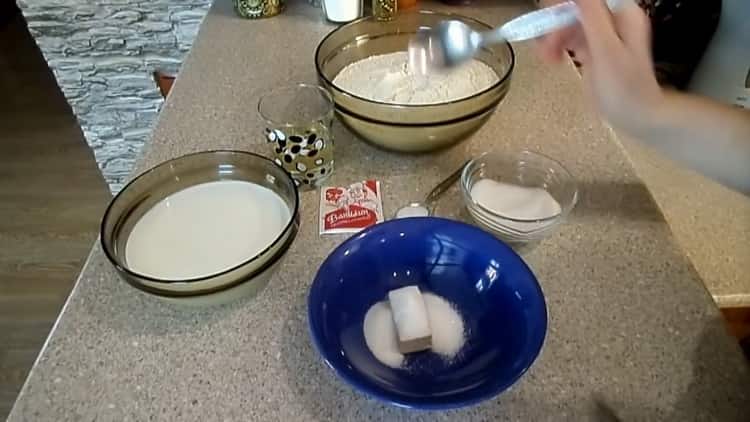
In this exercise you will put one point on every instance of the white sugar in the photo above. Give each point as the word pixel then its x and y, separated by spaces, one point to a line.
pixel 380 335
pixel 412 211
pixel 515 201
pixel 447 326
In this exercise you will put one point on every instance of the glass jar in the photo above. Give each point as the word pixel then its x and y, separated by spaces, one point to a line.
pixel 457 2
pixel 340 11
pixel 298 120
pixel 256 9
pixel 384 10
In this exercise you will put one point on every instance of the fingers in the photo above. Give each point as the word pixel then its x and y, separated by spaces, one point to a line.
pixel 582 58
pixel 598 26
pixel 549 48
pixel 634 29
pixel 600 33
pixel 579 50
pixel 552 46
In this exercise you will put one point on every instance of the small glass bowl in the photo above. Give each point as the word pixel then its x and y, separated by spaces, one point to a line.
pixel 527 169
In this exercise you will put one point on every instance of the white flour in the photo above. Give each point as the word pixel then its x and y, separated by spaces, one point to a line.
pixel 385 78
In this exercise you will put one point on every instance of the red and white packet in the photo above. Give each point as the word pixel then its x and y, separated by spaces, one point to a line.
pixel 350 209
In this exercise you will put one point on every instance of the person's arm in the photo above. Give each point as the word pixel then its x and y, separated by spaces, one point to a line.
pixel 708 136
pixel 618 70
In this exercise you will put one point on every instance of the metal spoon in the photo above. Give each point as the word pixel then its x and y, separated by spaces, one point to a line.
pixel 427 207
pixel 452 42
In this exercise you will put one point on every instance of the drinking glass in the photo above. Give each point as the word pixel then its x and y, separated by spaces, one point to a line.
pixel 298 121
pixel 256 9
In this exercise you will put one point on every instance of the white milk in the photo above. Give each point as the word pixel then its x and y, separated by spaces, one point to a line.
pixel 205 229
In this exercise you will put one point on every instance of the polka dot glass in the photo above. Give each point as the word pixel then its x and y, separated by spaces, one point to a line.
pixel 298 122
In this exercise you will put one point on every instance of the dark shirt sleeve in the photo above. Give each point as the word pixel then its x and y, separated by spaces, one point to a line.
pixel 681 31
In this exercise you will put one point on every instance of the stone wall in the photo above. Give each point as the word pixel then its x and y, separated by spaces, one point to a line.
pixel 103 53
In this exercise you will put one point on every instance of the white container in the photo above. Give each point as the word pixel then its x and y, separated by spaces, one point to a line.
pixel 341 11
pixel 724 71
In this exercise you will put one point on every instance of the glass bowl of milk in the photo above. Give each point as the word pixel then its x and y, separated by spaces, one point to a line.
pixel 520 197
pixel 204 228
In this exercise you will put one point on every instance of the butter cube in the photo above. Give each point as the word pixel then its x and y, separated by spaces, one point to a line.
pixel 411 319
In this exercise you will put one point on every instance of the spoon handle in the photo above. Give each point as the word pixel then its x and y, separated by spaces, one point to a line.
pixel 443 186
pixel 540 22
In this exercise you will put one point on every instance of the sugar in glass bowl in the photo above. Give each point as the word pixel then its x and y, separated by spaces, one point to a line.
pixel 519 173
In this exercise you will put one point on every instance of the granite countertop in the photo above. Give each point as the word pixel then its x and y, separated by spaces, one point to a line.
pixel 630 322
pixel 710 222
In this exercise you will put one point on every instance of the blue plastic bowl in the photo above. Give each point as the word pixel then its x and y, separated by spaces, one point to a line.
pixel 499 299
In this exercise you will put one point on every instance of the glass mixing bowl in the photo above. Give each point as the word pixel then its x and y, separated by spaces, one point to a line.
pixel 400 127
pixel 151 187
pixel 526 169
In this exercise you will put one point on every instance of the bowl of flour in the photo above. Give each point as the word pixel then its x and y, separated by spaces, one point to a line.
pixel 386 78
pixel 364 65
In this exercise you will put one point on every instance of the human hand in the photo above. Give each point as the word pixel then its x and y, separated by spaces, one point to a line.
pixel 615 55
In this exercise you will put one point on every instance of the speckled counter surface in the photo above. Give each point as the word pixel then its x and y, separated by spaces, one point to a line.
pixel 630 322
pixel 710 222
